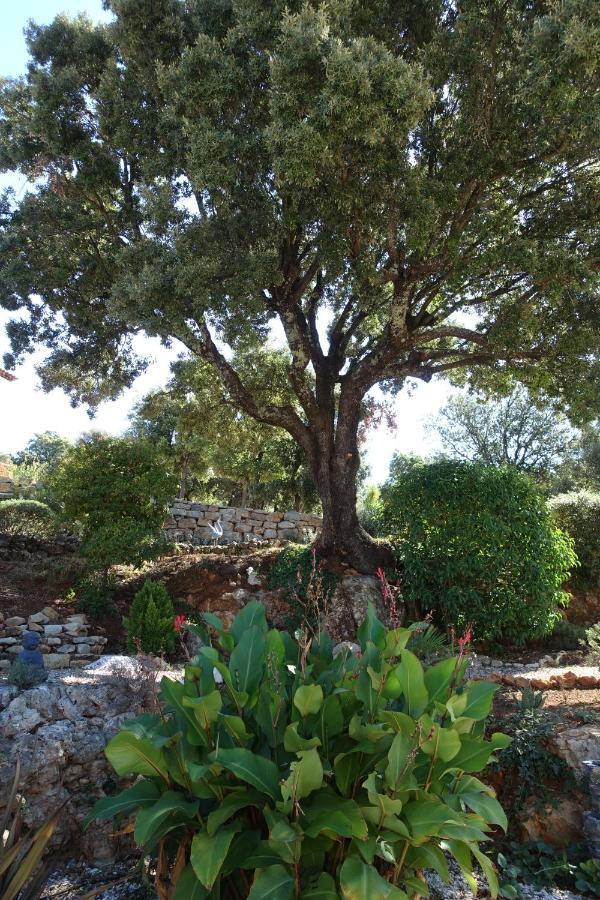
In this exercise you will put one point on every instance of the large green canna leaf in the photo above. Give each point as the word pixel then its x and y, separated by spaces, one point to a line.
pixel 426 817
pixel 488 870
pixel 411 676
pixel 251 616
pixel 274 883
pixel 475 702
pixel 371 630
pixel 247 660
pixel 188 887
pixel 206 708
pixel 209 851
pixel 428 856
pixel 261 857
pixel 444 743
pixel 440 678
pixel 324 889
pixel 173 692
pixel 143 793
pixel 360 881
pixel 308 699
pixel 130 755
pixel 487 807
pixel 261 773
pixel 398 761
pixel 331 720
pixel 231 804
pixel 150 819
pixel 292 741
pixel 473 756
pixel 306 776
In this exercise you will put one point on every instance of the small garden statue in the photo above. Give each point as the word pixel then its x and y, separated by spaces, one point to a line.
pixel 30 655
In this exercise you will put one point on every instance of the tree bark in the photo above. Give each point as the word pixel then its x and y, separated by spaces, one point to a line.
pixel 335 467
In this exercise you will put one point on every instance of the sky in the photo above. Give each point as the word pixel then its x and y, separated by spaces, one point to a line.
pixel 26 410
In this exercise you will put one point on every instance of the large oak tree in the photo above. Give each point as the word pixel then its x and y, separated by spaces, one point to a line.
pixel 409 188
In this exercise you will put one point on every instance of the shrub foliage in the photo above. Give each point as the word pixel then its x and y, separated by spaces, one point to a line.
pixel 116 491
pixel 150 623
pixel 578 513
pixel 304 775
pixel 27 517
pixel 477 546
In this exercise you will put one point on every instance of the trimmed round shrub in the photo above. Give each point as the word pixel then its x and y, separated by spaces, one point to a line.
pixel 478 547
pixel 27 517
pixel 150 625
pixel 578 513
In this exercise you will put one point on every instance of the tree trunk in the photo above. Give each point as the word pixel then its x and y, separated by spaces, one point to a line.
pixel 342 538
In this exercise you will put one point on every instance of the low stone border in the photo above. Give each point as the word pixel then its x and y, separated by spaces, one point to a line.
pixel 65 642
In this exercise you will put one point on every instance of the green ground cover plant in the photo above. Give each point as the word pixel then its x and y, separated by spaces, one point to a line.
pixel 276 770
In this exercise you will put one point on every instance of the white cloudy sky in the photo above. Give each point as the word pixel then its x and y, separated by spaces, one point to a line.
pixel 25 409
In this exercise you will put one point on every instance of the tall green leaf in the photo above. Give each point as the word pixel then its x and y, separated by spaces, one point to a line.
pixel 274 883
pixel 261 773
pixel 247 660
pixel 208 853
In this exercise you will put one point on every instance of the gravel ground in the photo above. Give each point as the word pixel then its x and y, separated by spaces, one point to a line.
pixel 77 881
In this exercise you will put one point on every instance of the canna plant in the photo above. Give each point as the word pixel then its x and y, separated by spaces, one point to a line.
pixel 278 770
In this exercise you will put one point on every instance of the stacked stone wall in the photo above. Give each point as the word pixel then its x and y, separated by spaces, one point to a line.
pixel 190 523
pixel 65 643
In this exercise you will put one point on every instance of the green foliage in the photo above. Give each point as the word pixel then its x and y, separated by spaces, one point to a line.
pixel 22 872
pixel 305 775
pixel 96 593
pixel 117 492
pixel 23 675
pixel 428 642
pixel 308 584
pixel 477 546
pixel 27 517
pixel 587 877
pixel 592 642
pixel 578 514
pixel 565 636
pixel 542 866
pixel 149 626
pixel 530 772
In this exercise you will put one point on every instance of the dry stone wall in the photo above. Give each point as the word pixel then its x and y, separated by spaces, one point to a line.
pixel 190 523
pixel 65 643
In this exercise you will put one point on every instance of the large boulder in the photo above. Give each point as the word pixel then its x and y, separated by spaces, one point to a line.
pixel 348 606
pixel 59 731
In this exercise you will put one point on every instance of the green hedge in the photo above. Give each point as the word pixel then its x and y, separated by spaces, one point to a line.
pixel 578 513
pixel 27 517
pixel 477 546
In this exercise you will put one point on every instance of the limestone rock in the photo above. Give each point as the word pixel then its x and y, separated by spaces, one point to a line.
pixel 577 745
pixel 348 606
pixel 560 826
pixel 13 621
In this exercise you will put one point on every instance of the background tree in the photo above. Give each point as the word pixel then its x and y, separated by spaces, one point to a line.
pixel 581 470
pixel 409 190
pixel 35 463
pixel 510 430
pixel 116 493
pixel 231 458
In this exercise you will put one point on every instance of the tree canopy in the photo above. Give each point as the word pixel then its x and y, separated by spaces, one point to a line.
pixel 510 430
pixel 406 189
pixel 219 453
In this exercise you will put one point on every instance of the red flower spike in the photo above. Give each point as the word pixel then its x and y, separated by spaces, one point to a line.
pixel 179 623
